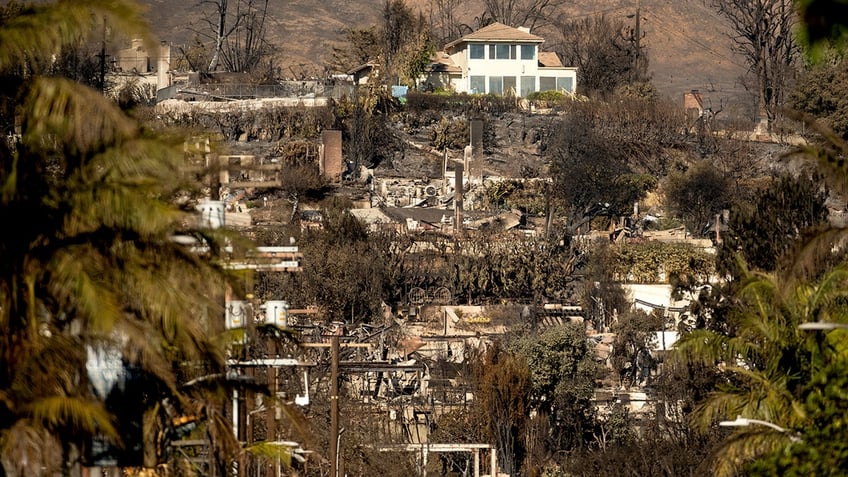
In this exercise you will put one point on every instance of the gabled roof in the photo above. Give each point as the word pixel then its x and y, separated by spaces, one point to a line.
pixel 430 215
pixel 507 220
pixel 365 66
pixel 440 62
pixel 498 32
pixel 549 59
pixel 371 216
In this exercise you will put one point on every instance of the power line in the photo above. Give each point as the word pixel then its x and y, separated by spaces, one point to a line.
pixel 667 28
pixel 597 12
pixel 680 34
pixel 711 11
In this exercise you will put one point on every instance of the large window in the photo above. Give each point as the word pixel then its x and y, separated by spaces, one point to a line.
pixel 566 84
pixel 528 52
pixel 477 51
pixel 502 84
pixel 496 84
pixel 559 83
pixel 477 84
pixel 502 52
pixel 528 85
pixel 509 85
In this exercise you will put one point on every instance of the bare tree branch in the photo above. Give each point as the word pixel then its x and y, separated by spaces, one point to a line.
pixel 762 32
pixel 521 13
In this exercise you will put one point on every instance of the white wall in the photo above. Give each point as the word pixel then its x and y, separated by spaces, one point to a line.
pixel 517 68
pixel 656 294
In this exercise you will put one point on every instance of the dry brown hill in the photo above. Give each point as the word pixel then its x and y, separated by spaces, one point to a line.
pixel 686 41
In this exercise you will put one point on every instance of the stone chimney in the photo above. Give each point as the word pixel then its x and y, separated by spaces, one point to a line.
pixel 693 104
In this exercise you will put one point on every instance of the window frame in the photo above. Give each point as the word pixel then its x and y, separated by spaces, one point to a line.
pixel 528 85
pixel 565 83
pixel 474 46
pixel 509 82
pixel 502 51
pixel 545 83
pixel 481 81
pixel 496 85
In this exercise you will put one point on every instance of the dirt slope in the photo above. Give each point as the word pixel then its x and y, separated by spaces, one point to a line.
pixel 686 41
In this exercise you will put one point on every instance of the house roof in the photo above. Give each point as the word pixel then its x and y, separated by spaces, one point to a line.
pixel 363 67
pixel 441 62
pixel 371 216
pixel 429 215
pixel 507 220
pixel 549 59
pixel 498 32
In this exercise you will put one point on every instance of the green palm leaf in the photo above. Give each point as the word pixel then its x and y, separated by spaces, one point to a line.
pixel 98 268
pixel 74 118
pixel 767 362
pixel 63 412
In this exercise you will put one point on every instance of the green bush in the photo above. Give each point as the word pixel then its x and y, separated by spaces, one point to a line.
pixel 644 262
pixel 550 95
pixel 460 103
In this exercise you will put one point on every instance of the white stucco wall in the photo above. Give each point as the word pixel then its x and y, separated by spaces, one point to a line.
pixel 655 294
pixel 659 295
pixel 521 70
pixel 515 67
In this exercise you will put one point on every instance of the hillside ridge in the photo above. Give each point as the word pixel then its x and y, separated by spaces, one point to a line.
pixel 687 43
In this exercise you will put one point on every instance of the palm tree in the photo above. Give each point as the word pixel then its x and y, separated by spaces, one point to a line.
pixel 87 264
pixel 771 370
pixel 767 363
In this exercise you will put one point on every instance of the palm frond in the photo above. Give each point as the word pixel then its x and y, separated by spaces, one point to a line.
pixel 123 212
pixel 272 450
pixel 765 396
pixel 77 118
pixel 77 282
pixel 270 330
pixel 827 298
pixel 225 381
pixel 72 413
pixel 743 446
pixel 815 250
pixel 830 157
pixel 99 265
pixel 767 362
pixel 735 401
pixel 53 366
pixel 700 346
pixel 296 419
pixel 142 348
pixel 220 431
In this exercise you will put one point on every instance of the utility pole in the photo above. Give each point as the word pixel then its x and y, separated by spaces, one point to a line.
pixel 636 40
pixel 334 406
pixel 101 80
pixel 335 462
pixel 638 33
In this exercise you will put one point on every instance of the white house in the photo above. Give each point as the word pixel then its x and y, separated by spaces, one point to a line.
pixel 500 59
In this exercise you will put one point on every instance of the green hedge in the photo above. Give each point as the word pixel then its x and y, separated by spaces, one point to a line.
pixel 460 103
pixel 644 262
